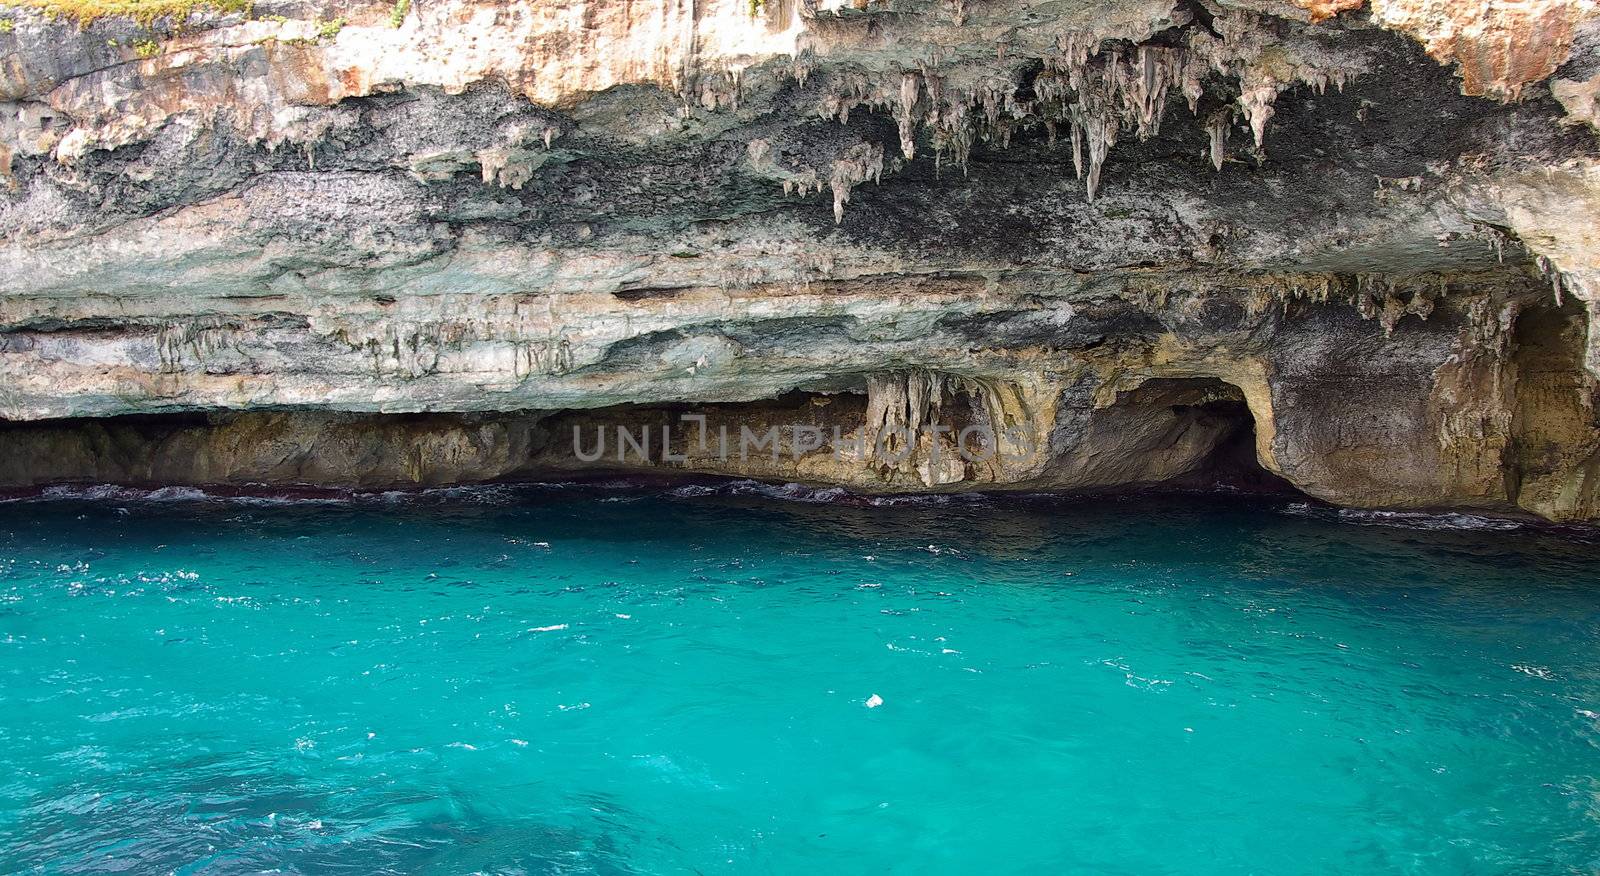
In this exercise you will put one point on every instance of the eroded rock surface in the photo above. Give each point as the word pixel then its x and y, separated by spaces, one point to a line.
pixel 1137 235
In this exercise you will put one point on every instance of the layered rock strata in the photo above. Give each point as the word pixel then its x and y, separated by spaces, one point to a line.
pixel 380 245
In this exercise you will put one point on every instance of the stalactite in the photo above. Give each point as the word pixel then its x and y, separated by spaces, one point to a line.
pixel 1553 274
pixel 1158 70
pixel 1257 101
pixel 1498 240
pixel 859 163
pixel 1390 300
pixel 800 68
pixel 1102 90
pixel 910 89
pixel 1077 148
pixel 1368 289
pixel 1191 80
pixel 509 167
pixel 1390 312
pixel 514 332
pixel 1100 132
pixel 899 404
pixel 1217 127
pixel 910 434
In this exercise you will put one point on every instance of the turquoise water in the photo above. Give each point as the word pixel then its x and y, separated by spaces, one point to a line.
pixel 670 681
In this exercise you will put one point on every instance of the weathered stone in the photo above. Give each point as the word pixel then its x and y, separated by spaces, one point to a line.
pixel 1140 233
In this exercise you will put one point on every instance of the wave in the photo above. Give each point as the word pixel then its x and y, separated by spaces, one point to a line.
pixel 114 493
pixel 788 492
pixel 630 489
pixel 794 492
pixel 263 495
pixel 485 494
pixel 1447 520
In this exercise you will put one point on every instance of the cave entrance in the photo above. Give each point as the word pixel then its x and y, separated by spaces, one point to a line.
pixel 1191 433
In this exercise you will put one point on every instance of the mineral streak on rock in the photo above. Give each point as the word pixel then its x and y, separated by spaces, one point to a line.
pixel 1350 246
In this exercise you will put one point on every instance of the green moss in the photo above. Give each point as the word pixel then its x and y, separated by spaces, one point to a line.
pixel 325 30
pixel 397 15
pixel 147 48
pixel 756 7
pixel 86 12
pixel 6 26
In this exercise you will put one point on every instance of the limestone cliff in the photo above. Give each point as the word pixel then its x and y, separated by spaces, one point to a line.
pixel 425 242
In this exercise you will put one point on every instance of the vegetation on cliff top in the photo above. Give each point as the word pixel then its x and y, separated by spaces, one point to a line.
pixel 143 11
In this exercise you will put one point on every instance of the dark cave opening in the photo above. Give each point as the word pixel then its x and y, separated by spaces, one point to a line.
pixel 1198 431
pixel 1234 463
pixel 1165 433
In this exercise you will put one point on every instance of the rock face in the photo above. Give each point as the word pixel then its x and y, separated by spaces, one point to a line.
pixel 904 245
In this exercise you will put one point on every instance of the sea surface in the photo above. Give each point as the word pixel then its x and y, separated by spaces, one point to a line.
pixel 746 679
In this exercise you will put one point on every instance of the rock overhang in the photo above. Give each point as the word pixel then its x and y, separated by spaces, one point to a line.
pixel 508 206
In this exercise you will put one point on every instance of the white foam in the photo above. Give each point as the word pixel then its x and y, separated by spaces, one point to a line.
pixel 1450 520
